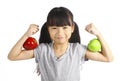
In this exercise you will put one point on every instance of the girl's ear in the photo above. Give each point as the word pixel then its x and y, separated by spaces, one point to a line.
pixel 73 27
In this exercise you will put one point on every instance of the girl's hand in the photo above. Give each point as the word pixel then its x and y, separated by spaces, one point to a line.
pixel 92 29
pixel 33 28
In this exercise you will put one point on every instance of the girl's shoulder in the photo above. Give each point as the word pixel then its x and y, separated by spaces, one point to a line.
pixel 77 45
pixel 44 45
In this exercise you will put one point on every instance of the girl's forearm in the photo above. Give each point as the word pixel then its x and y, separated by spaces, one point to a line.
pixel 106 51
pixel 17 48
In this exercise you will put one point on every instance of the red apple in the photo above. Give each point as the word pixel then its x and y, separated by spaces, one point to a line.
pixel 30 43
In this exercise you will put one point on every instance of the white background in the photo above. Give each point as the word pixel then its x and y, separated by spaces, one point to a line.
pixel 16 15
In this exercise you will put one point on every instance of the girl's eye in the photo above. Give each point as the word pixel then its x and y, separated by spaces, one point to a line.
pixel 64 27
pixel 54 28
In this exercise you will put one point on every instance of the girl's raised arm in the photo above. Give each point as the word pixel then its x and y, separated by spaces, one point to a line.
pixel 17 53
pixel 106 54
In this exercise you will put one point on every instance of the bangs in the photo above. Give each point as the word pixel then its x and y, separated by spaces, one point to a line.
pixel 59 18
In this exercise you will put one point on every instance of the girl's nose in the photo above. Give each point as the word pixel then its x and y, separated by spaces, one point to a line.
pixel 60 31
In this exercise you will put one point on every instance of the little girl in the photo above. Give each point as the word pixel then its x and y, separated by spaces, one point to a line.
pixel 60 53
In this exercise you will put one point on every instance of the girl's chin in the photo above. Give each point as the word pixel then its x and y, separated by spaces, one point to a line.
pixel 60 42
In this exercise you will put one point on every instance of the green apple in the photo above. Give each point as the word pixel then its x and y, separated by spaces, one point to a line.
pixel 94 45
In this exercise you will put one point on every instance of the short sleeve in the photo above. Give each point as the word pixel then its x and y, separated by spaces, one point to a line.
pixel 37 58
pixel 36 54
pixel 82 51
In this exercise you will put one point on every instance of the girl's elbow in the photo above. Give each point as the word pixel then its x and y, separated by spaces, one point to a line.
pixel 110 59
pixel 11 58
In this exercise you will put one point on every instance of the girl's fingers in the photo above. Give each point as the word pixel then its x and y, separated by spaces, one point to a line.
pixel 88 28
pixel 33 29
pixel 92 29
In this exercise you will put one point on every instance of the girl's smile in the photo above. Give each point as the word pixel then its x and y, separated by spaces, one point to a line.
pixel 59 38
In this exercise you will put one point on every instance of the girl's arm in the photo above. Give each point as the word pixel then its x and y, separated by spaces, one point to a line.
pixel 105 55
pixel 17 53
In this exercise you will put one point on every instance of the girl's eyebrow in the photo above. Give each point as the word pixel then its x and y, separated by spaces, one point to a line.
pixel 66 26
pixel 57 26
pixel 53 26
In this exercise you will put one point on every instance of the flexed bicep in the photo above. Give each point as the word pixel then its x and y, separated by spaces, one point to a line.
pixel 96 56
pixel 24 54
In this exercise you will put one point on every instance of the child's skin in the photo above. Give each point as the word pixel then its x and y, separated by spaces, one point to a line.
pixel 60 36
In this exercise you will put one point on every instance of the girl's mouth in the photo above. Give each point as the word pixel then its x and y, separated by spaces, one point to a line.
pixel 59 37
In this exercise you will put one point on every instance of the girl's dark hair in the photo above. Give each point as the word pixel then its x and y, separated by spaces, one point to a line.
pixel 59 16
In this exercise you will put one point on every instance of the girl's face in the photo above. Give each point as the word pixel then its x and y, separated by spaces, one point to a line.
pixel 60 34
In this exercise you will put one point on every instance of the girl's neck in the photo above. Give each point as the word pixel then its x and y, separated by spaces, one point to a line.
pixel 58 46
pixel 60 49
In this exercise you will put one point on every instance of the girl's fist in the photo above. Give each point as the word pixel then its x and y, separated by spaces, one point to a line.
pixel 33 28
pixel 92 29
